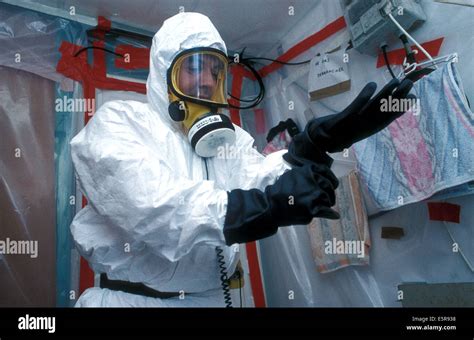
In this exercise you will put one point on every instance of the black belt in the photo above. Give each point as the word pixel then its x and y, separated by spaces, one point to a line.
pixel 137 288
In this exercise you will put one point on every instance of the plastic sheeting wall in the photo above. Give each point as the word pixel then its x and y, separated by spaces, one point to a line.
pixel 29 43
pixel 425 253
pixel 27 200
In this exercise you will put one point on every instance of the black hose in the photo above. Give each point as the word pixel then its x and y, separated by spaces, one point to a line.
pixel 384 50
pixel 97 48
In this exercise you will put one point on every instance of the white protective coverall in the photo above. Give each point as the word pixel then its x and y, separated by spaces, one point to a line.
pixel 153 215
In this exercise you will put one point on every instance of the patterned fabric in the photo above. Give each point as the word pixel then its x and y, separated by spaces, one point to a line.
pixel 423 151
pixel 350 233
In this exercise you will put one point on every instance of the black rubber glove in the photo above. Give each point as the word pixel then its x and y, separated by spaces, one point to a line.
pixel 296 197
pixel 361 119
pixel 302 151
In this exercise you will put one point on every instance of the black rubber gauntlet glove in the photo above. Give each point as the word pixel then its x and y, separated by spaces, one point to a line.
pixel 364 117
pixel 296 197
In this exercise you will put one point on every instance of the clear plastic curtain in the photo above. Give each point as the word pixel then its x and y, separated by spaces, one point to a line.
pixel 27 199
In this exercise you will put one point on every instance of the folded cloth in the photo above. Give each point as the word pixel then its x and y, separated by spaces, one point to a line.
pixel 425 151
pixel 340 243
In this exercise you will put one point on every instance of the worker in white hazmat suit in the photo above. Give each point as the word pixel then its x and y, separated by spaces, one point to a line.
pixel 162 199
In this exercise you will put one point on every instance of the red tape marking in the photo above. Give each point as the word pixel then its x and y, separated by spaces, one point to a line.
pixel 260 121
pixel 255 275
pixel 440 211
pixel 134 57
pixel 237 78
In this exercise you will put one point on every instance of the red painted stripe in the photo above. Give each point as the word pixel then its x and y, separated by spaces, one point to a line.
pixel 260 121
pixel 86 278
pixel 99 65
pixel 104 24
pixel 255 275
pixel 134 57
pixel 441 211
pixel 237 78
pixel 86 275
pixel 89 94
pixel 396 57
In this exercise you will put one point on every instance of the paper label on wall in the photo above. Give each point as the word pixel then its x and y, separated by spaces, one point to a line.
pixel 328 75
